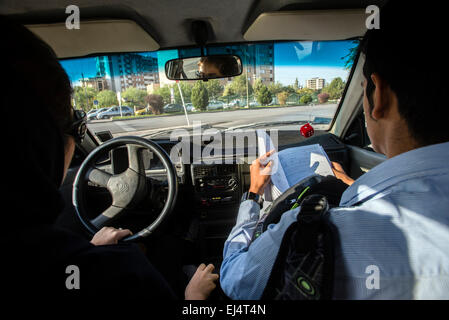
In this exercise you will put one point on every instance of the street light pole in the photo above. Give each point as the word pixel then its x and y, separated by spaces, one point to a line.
pixel 247 85
pixel 85 92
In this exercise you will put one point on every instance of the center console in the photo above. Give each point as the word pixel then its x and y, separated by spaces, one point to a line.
pixel 215 185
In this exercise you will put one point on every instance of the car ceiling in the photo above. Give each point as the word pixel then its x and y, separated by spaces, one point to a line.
pixel 169 21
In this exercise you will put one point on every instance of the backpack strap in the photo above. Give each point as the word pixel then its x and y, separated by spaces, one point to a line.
pixel 330 187
pixel 303 269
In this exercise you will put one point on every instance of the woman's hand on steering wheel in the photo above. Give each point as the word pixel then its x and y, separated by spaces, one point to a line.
pixel 109 235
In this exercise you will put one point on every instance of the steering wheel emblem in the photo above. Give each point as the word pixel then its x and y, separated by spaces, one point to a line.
pixel 122 187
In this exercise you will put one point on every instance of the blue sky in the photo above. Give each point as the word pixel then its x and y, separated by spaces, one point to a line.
pixel 302 60
pixel 306 60
pixel 76 67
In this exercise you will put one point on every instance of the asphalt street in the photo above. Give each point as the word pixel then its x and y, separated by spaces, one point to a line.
pixel 222 119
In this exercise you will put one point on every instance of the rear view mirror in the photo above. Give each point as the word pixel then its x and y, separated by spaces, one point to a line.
pixel 202 68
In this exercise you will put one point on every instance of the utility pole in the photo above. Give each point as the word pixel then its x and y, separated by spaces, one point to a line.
pixel 183 104
pixel 247 85
pixel 85 92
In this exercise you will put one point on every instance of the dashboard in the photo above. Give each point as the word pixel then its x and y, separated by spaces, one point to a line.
pixel 209 192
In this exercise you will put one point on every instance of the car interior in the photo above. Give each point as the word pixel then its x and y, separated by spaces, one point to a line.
pixel 182 212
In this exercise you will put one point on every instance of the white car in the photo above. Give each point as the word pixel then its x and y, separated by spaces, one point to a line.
pixel 115 112
pixel 190 107
pixel 215 105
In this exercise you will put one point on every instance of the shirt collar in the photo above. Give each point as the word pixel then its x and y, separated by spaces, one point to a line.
pixel 412 164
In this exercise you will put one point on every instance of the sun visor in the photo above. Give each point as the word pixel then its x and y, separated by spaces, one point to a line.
pixel 308 25
pixel 95 36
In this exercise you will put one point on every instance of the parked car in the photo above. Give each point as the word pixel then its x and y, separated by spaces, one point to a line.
pixel 173 107
pixel 115 112
pixel 92 114
pixel 143 111
pixel 190 107
pixel 215 105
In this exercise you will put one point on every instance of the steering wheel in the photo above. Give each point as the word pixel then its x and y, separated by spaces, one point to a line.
pixel 127 188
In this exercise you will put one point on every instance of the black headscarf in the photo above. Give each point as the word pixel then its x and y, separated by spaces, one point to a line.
pixel 33 139
pixel 36 111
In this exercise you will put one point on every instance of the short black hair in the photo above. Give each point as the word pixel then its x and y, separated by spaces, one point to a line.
pixel 407 52
pixel 227 65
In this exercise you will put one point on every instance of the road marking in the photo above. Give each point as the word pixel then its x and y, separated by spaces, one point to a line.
pixel 125 127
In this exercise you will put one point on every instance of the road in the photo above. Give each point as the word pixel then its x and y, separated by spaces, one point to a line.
pixel 220 119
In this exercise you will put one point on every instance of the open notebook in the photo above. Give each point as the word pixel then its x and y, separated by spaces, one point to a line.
pixel 292 165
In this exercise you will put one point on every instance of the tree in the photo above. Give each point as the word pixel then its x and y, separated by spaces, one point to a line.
pixel 350 57
pixel 258 84
pixel 275 88
pixel 200 96
pixel 228 90
pixel 164 92
pixel 107 98
pixel 134 96
pixel 214 88
pixel 304 91
pixel 186 88
pixel 263 95
pixel 155 102
pixel 289 89
pixel 296 85
pixel 238 86
pixel 282 97
pixel 305 99
pixel 81 93
pixel 335 88
pixel 323 97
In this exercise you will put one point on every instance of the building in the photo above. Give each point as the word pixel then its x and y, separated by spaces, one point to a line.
pixel 315 83
pixel 152 87
pixel 127 70
pixel 98 83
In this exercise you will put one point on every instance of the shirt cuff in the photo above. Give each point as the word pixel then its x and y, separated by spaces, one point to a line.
pixel 249 211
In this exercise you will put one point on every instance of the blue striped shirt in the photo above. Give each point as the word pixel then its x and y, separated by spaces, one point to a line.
pixel 392 224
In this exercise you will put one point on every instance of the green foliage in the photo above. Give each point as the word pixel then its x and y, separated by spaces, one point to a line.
pixel 282 97
pixel 258 84
pixel 200 96
pixel 156 103
pixel 263 95
pixel 107 98
pixel 350 57
pixel 84 97
pixel 214 88
pixel 275 88
pixel 304 91
pixel 296 85
pixel 165 93
pixel 335 88
pixel 134 96
pixel 186 88
pixel 238 86
pixel 305 99
pixel 228 90
pixel 289 89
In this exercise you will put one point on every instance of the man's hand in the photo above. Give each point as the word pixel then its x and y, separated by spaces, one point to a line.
pixel 109 235
pixel 202 283
pixel 341 174
pixel 260 173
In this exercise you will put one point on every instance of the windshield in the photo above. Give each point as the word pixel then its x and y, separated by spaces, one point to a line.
pixel 282 84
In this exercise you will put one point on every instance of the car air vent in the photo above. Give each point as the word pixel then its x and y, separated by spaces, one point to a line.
pixel 225 170
pixel 201 171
